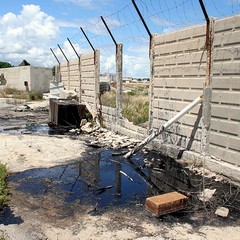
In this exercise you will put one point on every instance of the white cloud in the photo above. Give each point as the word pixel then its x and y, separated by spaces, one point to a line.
pixel 133 66
pixel 162 22
pixel 27 35
pixel 67 24
pixel 84 3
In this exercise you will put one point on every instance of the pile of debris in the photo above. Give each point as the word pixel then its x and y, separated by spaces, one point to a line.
pixel 100 137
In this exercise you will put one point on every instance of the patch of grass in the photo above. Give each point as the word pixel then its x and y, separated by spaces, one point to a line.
pixel 33 96
pixel 135 104
pixel 3 186
pixel 13 93
pixel 109 99
pixel 2 235
pixel 136 109
pixel 138 91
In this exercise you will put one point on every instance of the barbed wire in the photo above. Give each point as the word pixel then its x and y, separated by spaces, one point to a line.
pixel 161 17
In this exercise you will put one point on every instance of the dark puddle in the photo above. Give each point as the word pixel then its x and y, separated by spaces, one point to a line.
pixel 31 128
pixel 7 217
pixel 103 179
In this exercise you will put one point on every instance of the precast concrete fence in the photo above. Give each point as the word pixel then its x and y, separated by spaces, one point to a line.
pixel 184 64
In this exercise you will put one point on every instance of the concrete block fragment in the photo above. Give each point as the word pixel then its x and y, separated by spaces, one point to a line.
pixel 166 203
pixel 222 212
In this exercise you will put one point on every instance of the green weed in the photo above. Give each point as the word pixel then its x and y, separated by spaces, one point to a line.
pixel 136 109
pixel 3 186
pixel 13 93
pixel 135 104
pixel 33 96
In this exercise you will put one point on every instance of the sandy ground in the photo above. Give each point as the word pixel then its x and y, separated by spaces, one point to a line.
pixel 22 152
pixel 29 220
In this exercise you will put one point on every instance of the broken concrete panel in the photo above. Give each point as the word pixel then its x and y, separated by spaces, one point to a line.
pixel 63 94
pixel 166 203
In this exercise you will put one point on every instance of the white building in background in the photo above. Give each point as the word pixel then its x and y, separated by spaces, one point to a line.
pixel 107 77
pixel 26 78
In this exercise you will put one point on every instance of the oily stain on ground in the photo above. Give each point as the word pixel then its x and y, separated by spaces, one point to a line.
pixel 15 127
pixel 103 180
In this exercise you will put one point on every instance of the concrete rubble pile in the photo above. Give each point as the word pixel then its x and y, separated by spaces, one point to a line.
pixel 101 137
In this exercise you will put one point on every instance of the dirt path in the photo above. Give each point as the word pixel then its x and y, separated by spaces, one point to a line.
pixel 37 213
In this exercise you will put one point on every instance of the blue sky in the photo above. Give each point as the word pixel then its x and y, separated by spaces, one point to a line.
pixel 29 28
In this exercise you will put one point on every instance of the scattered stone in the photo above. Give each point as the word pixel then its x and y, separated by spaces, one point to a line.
pixel 26 132
pixel 75 131
pixel 206 194
pixel 94 144
pixel 218 178
pixel 21 108
pixel 126 144
pixel 222 212
pixel 94 211
pixel 88 128
pixel 83 122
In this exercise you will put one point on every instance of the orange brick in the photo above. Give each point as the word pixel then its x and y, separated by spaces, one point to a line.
pixel 166 203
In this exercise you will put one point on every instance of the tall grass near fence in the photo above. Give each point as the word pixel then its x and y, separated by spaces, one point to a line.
pixel 135 104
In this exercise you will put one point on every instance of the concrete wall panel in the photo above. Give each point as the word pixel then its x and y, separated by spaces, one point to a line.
pixel 225 122
pixel 179 75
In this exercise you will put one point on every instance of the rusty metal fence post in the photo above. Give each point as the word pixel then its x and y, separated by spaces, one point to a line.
pixel 207 87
